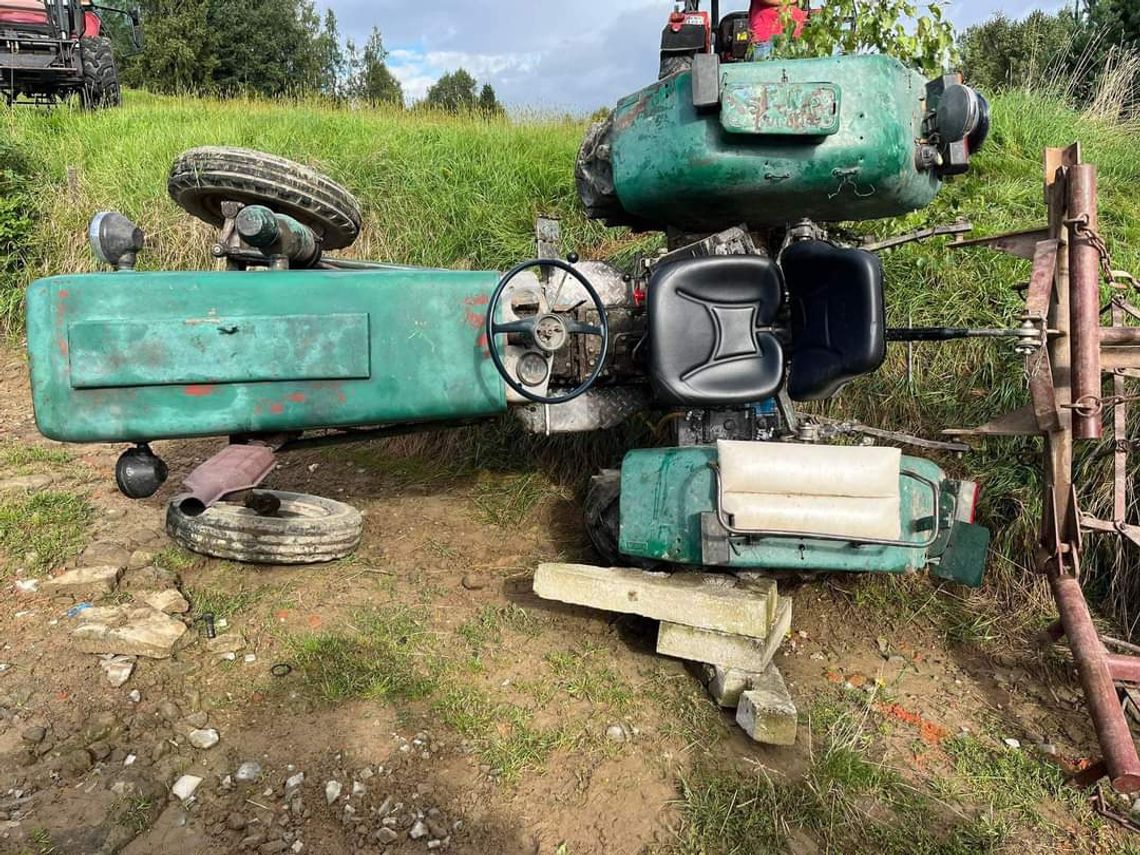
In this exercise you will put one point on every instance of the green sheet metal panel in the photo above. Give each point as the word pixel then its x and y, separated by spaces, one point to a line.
pixel 115 354
pixel 781 109
pixel 293 351
pixel 664 493
pixel 677 165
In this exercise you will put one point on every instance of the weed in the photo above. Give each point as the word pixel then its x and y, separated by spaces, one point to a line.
pixel 381 655
pixel 43 842
pixel 45 529
pixel 175 559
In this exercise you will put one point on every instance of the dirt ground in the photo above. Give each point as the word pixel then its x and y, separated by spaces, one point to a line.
pixel 439 693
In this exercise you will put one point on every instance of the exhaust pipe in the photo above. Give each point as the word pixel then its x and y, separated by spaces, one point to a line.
pixel 235 469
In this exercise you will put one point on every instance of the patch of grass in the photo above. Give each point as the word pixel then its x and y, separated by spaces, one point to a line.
pixel 48 527
pixel 22 457
pixel 380 655
pixel 175 559
pixel 44 845
pixel 508 501
pixel 136 813
pixel 584 674
pixel 692 718
pixel 222 604
pixel 504 734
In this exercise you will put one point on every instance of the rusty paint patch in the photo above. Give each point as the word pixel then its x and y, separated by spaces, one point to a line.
pixel 476 321
pixel 200 391
pixel 277 409
pixel 297 398
pixel 479 300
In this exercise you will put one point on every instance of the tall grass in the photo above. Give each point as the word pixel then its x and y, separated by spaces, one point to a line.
pixel 453 191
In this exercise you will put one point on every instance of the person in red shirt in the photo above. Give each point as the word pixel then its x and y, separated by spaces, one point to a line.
pixel 767 20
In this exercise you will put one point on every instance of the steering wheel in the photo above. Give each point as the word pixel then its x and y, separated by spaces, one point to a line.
pixel 548 331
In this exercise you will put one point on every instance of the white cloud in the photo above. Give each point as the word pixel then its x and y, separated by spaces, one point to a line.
pixel 417 71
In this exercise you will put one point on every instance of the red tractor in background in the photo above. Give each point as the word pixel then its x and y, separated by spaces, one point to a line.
pixel 51 50
pixel 691 31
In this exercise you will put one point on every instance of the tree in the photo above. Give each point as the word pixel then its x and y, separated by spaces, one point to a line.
pixel 331 61
pixel 372 80
pixel 1005 53
pixel 180 54
pixel 875 26
pixel 488 103
pixel 1118 19
pixel 454 92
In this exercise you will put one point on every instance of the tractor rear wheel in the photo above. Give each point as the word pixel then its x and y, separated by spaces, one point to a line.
pixel 303 530
pixel 100 75
pixel 204 178
pixel 603 521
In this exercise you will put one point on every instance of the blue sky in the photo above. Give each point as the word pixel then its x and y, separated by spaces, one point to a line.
pixel 548 54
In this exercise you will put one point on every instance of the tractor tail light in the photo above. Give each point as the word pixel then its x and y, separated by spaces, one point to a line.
pixel 968 495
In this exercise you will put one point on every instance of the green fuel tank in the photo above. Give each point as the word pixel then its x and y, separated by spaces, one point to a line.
pixel 833 139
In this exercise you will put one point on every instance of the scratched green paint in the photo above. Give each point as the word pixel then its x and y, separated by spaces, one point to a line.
pixel 673 163
pixel 665 492
pixel 324 348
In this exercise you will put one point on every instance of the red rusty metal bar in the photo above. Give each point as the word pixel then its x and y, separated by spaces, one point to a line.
pixel 1125 669
pixel 1084 297
pixel 1093 665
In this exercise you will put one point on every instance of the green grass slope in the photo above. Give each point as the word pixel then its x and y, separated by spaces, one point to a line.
pixel 463 192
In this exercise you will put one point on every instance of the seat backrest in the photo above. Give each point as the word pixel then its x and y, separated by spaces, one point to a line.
pixel 710 331
pixel 838 317
pixel 812 489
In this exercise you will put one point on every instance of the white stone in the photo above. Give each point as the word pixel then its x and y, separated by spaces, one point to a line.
pixel 118 669
pixel 1012 743
pixel 702 600
pixel 28 586
pixel 170 602
pixel 205 738
pixel 247 773
pixel 293 783
pixel 358 789
pixel 767 712
pixel 418 830
pixel 135 696
pixel 332 791
pixel 185 786
pixel 130 760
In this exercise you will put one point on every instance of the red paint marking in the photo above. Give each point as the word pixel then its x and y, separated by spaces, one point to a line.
pixel 476 321
pixel 199 391
pixel 482 342
pixel 481 300
pixel 64 350
pixel 63 295
pixel 277 409
pixel 297 398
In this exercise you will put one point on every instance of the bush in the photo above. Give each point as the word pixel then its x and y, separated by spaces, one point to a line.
pixel 17 218
pixel 1003 53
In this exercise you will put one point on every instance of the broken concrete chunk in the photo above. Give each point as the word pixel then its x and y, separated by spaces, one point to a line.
pixel 767 712
pixel 718 648
pixel 129 632
pixel 185 786
pixel 84 583
pixel 118 669
pixel 169 602
pixel 105 554
pixel 726 685
pixel 225 646
pixel 692 599
pixel 204 739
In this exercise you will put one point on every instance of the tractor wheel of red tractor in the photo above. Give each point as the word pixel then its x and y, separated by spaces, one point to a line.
pixel 202 179
pixel 304 530
pixel 100 76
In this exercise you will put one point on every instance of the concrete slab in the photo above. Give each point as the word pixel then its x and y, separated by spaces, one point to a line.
pixel 767 712
pixel 726 685
pixel 739 652
pixel 704 600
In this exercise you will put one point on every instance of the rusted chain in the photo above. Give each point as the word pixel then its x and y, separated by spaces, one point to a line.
pixel 1115 278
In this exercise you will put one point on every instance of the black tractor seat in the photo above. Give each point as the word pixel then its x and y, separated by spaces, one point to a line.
pixel 718 327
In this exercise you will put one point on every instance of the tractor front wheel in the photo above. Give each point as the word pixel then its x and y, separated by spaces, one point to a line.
pixel 603 522
pixel 100 75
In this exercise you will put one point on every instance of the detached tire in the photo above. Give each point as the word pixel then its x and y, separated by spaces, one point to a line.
pixel 100 75
pixel 203 178
pixel 307 530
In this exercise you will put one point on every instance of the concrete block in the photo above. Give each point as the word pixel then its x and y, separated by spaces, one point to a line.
pixel 739 652
pixel 128 632
pixel 726 685
pixel 704 600
pixel 767 712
